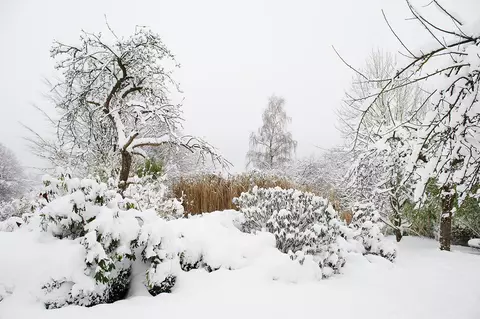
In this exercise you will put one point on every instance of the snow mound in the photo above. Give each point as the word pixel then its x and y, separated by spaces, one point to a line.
pixel 420 277
pixel 211 241
pixel 31 259
pixel 475 243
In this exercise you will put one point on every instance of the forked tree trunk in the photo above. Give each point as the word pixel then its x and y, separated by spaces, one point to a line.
pixel 446 219
pixel 125 171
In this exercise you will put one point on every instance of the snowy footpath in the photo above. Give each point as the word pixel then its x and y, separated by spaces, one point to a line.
pixel 422 283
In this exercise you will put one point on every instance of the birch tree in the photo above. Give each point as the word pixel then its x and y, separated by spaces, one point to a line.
pixel 272 146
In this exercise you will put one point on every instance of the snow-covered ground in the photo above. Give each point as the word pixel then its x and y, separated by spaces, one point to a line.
pixel 422 283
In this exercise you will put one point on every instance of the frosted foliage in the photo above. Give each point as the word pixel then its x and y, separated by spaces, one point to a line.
pixel 390 109
pixel 450 144
pixel 272 146
pixel 444 143
pixel 94 214
pixel 11 224
pixel 15 212
pixel 366 227
pixel 111 232
pixel 303 224
pixel 379 175
pixel 380 145
pixel 19 206
pixel 324 173
pixel 113 235
pixel 152 194
pixel 11 175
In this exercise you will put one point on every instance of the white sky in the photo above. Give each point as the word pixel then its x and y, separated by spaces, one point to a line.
pixel 234 55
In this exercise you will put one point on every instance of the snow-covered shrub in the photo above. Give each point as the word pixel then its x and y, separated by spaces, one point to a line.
pixel 71 203
pixel 98 217
pixel 11 224
pixel 149 192
pixel 19 206
pixel 7 210
pixel 257 206
pixel 301 222
pixel 14 213
pixel 112 231
pixel 160 251
pixel 366 227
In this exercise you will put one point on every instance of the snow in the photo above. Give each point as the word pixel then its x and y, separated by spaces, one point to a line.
pixel 475 243
pixel 255 280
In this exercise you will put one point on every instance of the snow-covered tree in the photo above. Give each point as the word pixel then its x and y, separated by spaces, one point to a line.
pixel 323 174
pixel 391 108
pixel 113 99
pixel 11 174
pixel 378 171
pixel 272 146
pixel 445 146
pixel 179 162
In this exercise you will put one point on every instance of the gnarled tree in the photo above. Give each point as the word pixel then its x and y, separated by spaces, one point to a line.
pixel 113 98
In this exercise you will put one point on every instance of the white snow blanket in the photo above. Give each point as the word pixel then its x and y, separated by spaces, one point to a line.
pixel 255 280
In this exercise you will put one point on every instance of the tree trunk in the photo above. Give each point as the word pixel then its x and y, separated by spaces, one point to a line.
pixel 125 171
pixel 446 219
pixel 397 218
pixel 397 223
pixel 398 234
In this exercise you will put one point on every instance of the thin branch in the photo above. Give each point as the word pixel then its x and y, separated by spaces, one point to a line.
pixel 447 13
pixel 396 36
pixel 351 67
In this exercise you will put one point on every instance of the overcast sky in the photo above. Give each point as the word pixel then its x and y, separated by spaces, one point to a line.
pixel 234 55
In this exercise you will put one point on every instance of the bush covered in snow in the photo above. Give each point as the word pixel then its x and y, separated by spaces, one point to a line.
pixel 303 224
pixel 11 224
pixel 112 231
pixel 98 217
pixel 116 233
pixel 15 212
pixel 366 227
pixel 150 192
pixel 18 207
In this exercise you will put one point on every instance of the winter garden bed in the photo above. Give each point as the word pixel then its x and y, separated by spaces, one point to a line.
pixel 224 265
pixel 114 238
pixel 83 244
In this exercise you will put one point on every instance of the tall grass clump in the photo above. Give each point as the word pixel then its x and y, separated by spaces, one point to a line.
pixel 204 193
pixel 212 192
